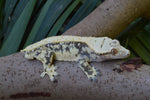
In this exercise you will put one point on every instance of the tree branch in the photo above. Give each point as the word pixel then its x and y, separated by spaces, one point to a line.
pixel 111 18
pixel 20 79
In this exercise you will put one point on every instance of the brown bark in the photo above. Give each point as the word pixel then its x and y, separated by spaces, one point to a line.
pixel 111 18
pixel 20 78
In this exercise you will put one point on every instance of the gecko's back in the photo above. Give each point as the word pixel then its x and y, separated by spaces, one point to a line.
pixel 75 48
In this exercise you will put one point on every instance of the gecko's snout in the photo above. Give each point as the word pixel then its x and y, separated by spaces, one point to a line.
pixel 124 53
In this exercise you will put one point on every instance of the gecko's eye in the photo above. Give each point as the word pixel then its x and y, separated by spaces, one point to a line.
pixel 114 51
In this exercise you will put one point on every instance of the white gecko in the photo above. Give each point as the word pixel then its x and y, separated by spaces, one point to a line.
pixel 75 48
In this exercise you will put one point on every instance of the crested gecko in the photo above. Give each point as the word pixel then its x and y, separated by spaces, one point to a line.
pixel 75 48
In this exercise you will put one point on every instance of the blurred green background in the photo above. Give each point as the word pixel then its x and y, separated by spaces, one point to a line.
pixel 23 22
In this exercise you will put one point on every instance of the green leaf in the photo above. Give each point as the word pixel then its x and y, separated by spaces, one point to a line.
pixel 144 38
pixel 13 17
pixel 139 48
pixel 1 18
pixel 38 23
pixel 83 11
pixel 147 27
pixel 55 11
pixel 44 24
pixel 8 9
pixel 62 19
pixel 13 41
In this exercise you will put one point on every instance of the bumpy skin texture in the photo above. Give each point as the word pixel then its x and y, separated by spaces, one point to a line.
pixel 75 48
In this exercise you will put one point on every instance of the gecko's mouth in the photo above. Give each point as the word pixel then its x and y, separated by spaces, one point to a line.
pixel 122 54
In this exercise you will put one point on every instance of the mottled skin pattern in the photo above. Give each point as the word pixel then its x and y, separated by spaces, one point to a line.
pixel 77 51
pixel 72 50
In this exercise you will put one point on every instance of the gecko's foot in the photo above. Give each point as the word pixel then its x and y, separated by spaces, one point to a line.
pixel 92 77
pixel 51 72
pixel 90 71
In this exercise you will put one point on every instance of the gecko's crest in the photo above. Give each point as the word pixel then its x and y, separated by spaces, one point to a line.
pixel 75 48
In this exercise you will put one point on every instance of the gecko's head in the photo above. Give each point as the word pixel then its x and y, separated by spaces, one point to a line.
pixel 116 51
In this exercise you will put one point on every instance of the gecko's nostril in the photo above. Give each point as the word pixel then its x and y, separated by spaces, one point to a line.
pixel 128 54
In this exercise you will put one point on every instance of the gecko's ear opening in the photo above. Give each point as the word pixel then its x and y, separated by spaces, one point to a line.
pixel 114 43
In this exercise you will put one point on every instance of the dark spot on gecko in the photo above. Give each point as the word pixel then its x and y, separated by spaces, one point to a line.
pixel 56 49
pixel 87 69
pixel 48 57
pixel 37 53
pixel 76 55
pixel 85 54
pixel 67 49
pixel 30 94
pixel 90 72
pixel 60 48
pixel 47 60
pixel 102 42
pixel 50 48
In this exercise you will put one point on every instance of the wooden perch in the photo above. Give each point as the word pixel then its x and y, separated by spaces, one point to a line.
pixel 111 18
pixel 20 78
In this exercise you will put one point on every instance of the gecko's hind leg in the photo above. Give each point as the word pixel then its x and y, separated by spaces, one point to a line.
pixel 49 67
pixel 90 71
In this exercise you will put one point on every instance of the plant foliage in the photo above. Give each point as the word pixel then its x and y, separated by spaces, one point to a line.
pixel 23 22
pixel 27 21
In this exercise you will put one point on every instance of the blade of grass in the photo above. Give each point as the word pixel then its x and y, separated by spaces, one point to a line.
pixel 147 27
pixel 14 17
pixel 55 11
pixel 38 23
pixel 144 37
pixel 41 29
pixel 82 12
pixel 12 43
pixel 8 9
pixel 140 50
pixel 62 19
pixel 133 29
pixel 1 18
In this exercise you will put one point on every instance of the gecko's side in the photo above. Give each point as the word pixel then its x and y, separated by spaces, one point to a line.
pixel 75 48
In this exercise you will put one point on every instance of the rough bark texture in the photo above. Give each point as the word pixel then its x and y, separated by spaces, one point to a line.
pixel 111 18
pixel 20 78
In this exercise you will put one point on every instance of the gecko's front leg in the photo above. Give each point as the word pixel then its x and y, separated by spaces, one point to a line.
pixel 46 57
pixel 90 71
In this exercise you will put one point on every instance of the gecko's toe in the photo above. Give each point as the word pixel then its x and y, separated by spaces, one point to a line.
pixel 52 78
pixel 90 79
pixel 98 74
pixel 95 79
pixel 51 72
pixel 56 67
